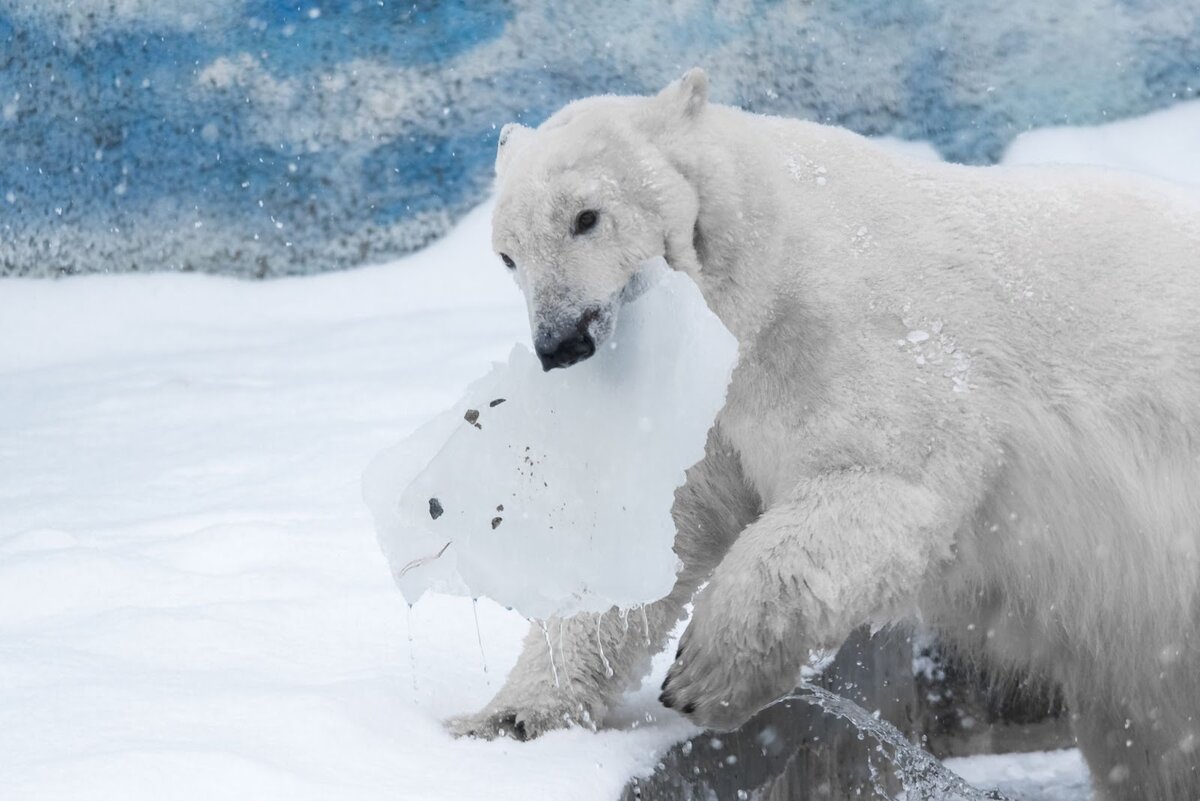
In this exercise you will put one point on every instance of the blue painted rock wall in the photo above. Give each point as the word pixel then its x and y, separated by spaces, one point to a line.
pixel 264 137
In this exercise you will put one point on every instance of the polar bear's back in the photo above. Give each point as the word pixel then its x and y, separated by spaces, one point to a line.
pixel 1064 305
pixel 1097 276
pixel 1079 236
pixel 1063 275
pixel 1087 302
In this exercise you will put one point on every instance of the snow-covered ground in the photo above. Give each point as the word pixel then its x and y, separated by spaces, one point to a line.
pixel 1035 776
pixel 192 600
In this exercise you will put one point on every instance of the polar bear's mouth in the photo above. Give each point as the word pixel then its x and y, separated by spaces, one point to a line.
pixel 564 345
pixel 570 335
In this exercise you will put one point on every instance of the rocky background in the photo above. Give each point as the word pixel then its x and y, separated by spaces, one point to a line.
pixel 262 138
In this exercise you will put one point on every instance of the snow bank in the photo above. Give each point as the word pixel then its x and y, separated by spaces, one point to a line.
pixel 193 602
pixel 1163 144
pixel 1040 775
pixel 551 493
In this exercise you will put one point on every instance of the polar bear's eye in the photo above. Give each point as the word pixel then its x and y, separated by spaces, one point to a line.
pixel 507 261
pixel 584 222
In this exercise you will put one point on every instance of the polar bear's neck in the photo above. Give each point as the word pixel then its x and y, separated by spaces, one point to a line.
pixel 766 195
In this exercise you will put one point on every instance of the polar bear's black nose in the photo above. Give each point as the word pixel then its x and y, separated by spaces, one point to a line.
pixel 574 347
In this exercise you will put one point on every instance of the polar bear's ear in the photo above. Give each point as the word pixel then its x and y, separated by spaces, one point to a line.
pixel 509 142
pixel 688 95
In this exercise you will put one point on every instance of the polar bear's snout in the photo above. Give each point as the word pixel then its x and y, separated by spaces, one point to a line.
pixel 575 347
pixel 563 346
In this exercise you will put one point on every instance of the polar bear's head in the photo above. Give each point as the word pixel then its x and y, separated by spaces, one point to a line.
pixel 582 201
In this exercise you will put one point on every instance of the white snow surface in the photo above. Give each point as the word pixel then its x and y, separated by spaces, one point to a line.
pixel 1033 776
pixel 1164 144
pixel 551 492
pixel 193 603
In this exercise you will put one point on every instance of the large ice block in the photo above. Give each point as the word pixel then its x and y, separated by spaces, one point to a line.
pixel 551 493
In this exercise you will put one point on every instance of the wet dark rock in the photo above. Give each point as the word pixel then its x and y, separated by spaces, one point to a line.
pixel 496 522
pixel 435 508
pixel 472 417
pixel 797 750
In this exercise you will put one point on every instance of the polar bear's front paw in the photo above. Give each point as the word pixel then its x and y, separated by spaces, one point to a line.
pixel 726 668
pixel 520 722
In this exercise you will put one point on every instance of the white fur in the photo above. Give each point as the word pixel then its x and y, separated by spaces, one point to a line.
pixel 966 394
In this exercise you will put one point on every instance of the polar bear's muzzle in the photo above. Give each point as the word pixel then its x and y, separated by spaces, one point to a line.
pixel 567 351
pixel 565 345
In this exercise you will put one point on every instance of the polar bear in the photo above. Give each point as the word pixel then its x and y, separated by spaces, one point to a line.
pixel 965 395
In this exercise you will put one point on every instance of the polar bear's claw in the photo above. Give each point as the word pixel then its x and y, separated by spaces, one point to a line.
pixel 515 724
pixel 525 721
pixel 721 678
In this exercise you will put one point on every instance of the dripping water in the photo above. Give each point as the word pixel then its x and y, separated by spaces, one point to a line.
pixel 562 656
pixel 478 636
pixel 550 648
pixel 412 651
pixel 608 671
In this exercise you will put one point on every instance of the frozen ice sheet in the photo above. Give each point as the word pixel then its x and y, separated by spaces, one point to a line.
pixel 551 492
